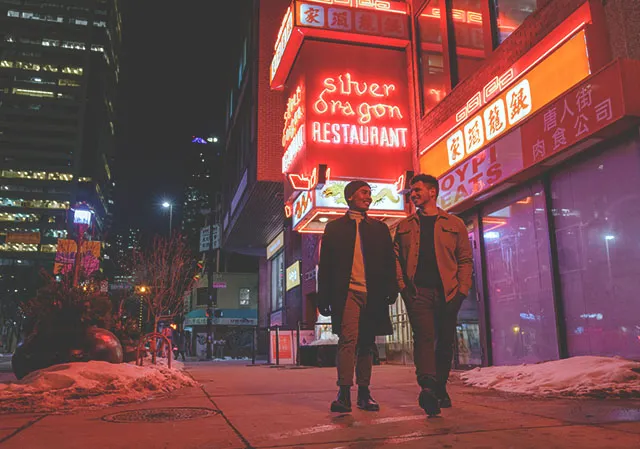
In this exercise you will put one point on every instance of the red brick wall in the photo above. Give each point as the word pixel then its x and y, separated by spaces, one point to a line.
pixel 271 104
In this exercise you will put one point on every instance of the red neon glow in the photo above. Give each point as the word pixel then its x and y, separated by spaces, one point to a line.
pixel 288 211
pixel 303 182
pixel 399 184
pixel 578 19
pixel 284 34
pixel 344 133
pixel 379 5
pixel 458 15
pixel 297 144
pixel 346 98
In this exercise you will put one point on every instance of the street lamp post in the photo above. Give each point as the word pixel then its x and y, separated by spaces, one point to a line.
pixel 169 205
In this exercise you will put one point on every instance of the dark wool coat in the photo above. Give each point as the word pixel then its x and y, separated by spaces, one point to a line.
pixel 336 261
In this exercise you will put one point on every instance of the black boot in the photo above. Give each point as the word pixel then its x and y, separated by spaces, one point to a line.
pixel 443 396
pixel 365 401
pixel 428 398
pixel 342 404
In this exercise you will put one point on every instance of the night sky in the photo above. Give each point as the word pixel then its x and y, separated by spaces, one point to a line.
pixel 176 64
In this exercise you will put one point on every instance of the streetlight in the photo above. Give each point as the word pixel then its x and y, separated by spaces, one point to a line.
pixel 169 205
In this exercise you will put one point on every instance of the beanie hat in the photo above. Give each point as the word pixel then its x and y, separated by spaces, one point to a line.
pixel 352 187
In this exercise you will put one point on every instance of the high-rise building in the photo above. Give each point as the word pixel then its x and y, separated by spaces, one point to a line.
pixel 59 72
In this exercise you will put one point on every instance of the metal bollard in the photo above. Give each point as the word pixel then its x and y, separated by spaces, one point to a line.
pixel 253 346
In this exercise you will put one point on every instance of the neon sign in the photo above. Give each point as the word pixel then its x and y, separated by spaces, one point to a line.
pixel 459 15
pixel 378 5
pixel 296 146
pixel 538 87
pixel 345 98
pixel 294 116
pixel 303 205
pixel 281 43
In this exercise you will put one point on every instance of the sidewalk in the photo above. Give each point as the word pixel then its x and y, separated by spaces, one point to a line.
pixel 240 406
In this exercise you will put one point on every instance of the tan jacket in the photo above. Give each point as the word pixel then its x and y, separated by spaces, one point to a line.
pixel 453 254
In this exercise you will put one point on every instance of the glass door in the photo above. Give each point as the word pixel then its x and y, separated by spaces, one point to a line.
pixel 468 347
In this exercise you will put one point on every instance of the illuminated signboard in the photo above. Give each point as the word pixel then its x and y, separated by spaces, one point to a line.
pixel 293 275
pixel 348 109
pixel 276 245
pixel 302 206
pixel 281 43
pixel 313 209
pixel 524 97
pixel 575 116
pixel 374 22
pixel 350 20
pixel 384 197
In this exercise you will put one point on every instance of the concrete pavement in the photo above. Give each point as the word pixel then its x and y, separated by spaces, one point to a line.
pixel 241 406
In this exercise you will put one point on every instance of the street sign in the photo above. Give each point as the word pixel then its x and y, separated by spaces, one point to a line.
pixel 215 236
pixel 205 239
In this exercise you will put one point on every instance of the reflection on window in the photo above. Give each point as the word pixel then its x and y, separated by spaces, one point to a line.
pixel 28 218
pixel 245 296
pixel 467 26
pixel 277 282
pixel 19 247
pixel 56 233
pixel 510 14
pixel 38 204
pixel 41 175
pixel 519 283
pixel 68 83
pixel 34 93
pixel 49 248
pixel 432 70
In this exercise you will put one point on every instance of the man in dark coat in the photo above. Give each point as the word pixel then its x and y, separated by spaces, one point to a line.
pixel 356 285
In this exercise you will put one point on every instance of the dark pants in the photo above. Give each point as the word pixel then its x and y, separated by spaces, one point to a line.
pixel 356 343
pixel 433 321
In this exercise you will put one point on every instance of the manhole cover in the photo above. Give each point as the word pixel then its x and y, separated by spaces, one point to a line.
pixel 160 415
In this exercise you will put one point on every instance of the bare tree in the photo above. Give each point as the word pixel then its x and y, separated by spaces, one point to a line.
pixel 167 271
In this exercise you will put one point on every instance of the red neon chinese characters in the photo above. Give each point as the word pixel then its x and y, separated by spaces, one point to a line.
pixel 294 116
pixel 379 5
pixel 281 43
pixel 348 100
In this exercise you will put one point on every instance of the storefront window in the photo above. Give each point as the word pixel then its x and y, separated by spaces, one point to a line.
pixel 596 209
pixel 277 282
pixel 510 14
pixel 432 69
pixel 467 24
pixel 521 306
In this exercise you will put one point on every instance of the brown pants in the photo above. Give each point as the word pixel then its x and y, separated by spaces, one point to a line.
pixel 356 340
pixel 433 321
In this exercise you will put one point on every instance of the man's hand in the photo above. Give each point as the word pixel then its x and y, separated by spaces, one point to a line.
pixel 391 299
pixel 324 309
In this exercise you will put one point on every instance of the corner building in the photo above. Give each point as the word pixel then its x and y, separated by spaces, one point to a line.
pixel 527 112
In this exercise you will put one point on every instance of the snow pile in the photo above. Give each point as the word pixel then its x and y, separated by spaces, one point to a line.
pixel 576 376
pixel 91 384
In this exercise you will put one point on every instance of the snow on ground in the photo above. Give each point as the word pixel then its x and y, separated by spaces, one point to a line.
pixel 66 387
pixel 586 376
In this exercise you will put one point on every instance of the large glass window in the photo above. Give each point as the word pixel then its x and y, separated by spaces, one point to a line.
pixel 521 306
pixel 596 208
pixel 277 282
pixel 510 14
pixel 435 83
pixel 468 29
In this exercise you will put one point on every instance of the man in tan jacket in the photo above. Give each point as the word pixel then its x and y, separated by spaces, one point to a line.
pixel 434 268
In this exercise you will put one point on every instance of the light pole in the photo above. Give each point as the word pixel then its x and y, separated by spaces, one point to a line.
pixel 169 205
